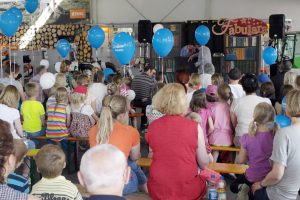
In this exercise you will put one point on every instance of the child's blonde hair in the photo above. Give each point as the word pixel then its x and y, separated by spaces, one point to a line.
pixel 293 103
pixel 20 150
pixel 77 99
pixel 297 82
pixel 83 80
pixel 60 81
pixel 264 114
pixel 31 89
pixel 10 96
pixel 217 79
pixel 194 80
pixel 198 101
pixel 112 107
pixel 61 95
pixel 289 78
pixel 50 161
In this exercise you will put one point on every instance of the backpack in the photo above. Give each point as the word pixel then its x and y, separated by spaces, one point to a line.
pixel 80 124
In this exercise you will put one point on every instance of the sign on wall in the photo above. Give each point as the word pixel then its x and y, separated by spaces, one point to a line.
pixel 241 27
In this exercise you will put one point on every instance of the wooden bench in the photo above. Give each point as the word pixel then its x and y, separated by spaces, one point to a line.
pixel 72 139
pixel 224 168
pixel 219 148
pixel 133 115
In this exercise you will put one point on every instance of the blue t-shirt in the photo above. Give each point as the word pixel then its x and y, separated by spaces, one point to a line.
pixel 18 182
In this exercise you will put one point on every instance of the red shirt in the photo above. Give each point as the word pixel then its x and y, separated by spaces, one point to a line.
pixel 174 169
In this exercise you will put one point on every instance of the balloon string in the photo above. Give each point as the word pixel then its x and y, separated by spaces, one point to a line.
pixel 1 62
pixel 124 68
pixel 9 46
pixel 202 66
pixel 96 55
pixel 162 68
pixel 32 47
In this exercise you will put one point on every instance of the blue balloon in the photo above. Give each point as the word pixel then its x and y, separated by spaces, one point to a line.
pixel 107 72
pixel 163 42
pixel 202 35
pixel 270 55
pixel 123 47
pixel 283 121
pixel 18 14
pixel 96 37
pixel 63 47
pixel 31 5
pixel 9 23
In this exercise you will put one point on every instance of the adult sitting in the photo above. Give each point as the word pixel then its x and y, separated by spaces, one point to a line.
pixel 7 165
pixel 112 128
pixel 10 74
pixel 242 109
pixel 104 172
pixel 277 80
pixel 178 148
pixel 283 181
pixel 144 85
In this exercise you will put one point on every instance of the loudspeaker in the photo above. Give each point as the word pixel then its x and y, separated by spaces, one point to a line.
pixel 277 26
pixel 145 31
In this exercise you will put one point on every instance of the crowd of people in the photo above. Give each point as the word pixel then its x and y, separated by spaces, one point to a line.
pixel 182 121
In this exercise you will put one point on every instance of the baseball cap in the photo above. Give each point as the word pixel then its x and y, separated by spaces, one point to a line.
pixel 80 89
pixel 211 90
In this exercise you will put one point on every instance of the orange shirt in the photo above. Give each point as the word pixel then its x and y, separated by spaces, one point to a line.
pixel 123 137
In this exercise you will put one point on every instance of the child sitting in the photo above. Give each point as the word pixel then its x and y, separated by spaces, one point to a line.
pixel 16 180
pixel 217 79
pixel 32 111
pixel 82 115
pixel 51 161
pixel 193 85
pixel 280 105
pixel 257 146
pixel 223 129
pixel 58 119
pixel 235 76
pixel 198 105
pixel 60 81
pixel 90 99
pixel 267 90
pixel 211 95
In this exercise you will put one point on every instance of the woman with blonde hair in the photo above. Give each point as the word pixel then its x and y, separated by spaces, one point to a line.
pixel 290 79
pixel 283 181
pixel 9 100
pixel 256 146
pixel 178 148
pixel 112 128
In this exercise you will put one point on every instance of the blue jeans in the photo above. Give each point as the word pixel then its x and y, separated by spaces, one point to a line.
pixel 261 194
pixel 36 134
pixel 137 177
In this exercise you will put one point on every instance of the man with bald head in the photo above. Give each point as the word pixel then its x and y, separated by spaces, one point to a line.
pixel 104 172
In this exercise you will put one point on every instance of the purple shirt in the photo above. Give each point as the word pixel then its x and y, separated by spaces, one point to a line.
pixel 259 150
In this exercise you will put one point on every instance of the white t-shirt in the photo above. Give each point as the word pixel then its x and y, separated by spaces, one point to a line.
pixel 243 108
pixel 10 115
pixel 237 91
pixel 205 80
pixel 83 109
pixel 189 96
pixel 98 90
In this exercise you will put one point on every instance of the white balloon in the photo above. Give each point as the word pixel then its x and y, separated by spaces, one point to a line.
pixel 156 27
pixel 45 63
pixel 130 95
pixel 47 80
pixel 57 67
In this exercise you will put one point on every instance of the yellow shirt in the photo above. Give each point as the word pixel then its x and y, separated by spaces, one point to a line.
pixel 32 111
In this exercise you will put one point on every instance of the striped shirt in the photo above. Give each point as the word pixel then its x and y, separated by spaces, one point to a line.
pixel 143 86
pixel 9 193
pixel 57 121
pixel 56 188
pixel 18 182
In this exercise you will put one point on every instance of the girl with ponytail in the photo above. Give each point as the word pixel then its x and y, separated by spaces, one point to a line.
pixel 113 128
pixel 223 129
pixel 257 146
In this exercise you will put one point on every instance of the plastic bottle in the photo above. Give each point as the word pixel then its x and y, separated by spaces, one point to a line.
pixel 222 189
pixel 212 188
